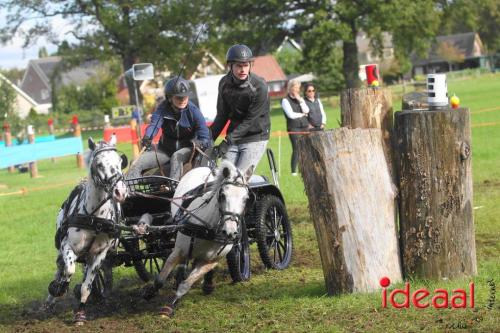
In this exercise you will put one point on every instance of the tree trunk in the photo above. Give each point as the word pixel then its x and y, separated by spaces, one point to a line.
pixel 369 108
pixel 351 201
pixel 435 181
pixel 350 65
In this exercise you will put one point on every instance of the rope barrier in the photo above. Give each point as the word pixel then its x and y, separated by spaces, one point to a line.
pixel 24 190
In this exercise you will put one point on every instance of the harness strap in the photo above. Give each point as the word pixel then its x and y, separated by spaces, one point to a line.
pixel 98 224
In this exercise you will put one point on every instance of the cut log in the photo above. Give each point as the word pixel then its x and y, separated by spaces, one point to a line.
pixel 435 184
pixel 351 201
pixel 369 108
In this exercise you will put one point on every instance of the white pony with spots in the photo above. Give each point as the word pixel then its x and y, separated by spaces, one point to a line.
pixel 211 224
pixel 87 223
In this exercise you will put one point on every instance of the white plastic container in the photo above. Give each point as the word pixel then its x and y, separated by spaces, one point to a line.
pixel 437 90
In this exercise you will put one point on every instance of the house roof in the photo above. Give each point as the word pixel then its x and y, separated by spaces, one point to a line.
pixel 18 90
pixel 465 43
pixel 363 41
pixel 268 68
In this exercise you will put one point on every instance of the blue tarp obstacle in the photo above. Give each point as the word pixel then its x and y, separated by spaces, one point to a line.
pixel 15 155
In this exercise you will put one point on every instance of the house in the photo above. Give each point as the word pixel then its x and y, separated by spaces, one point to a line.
pixel 367 55
pixel 209 65
pixel 452 52
pixel 43 74
pixel 268 68
pixel 23 102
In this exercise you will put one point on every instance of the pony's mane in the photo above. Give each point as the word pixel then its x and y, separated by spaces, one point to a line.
pixel 233 174
pixel 87 154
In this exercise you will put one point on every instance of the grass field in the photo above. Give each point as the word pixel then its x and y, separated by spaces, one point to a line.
pixel 293 300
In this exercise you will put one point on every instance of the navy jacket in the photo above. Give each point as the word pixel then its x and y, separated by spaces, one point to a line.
pixel 178 134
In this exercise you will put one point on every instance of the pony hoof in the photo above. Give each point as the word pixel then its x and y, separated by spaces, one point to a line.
pixel 149 291
pixel 80 318
pixel 166 311
pixel 208 288
pixel 58 289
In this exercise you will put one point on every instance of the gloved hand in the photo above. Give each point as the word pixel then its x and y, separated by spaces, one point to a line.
pixel 198 143
pixel 223 147
pixel 146 142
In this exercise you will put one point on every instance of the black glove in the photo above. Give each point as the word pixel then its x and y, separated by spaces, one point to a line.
pixel 223 148
pixel 146 142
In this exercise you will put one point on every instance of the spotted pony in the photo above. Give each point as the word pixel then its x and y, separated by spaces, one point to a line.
pixel 87 223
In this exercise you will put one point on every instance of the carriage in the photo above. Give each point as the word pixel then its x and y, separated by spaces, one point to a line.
pixel 266 223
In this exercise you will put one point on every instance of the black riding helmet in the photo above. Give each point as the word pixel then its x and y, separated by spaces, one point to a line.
pixel 239 53
pixel 177 86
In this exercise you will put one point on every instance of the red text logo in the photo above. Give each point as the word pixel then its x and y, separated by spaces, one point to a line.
pixel 423 298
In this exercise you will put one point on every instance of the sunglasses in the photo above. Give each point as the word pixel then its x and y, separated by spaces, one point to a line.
pixel 309 90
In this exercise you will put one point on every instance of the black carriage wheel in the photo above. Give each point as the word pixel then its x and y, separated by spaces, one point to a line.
pixel 273 232
pixel 101 286
pixel 147 265
pixel 238 259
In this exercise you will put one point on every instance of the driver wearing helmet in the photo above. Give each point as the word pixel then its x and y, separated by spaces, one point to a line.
pixel 182 125
pixel 243 99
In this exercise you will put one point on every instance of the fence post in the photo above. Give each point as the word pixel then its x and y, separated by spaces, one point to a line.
pixel 77 132
pixel 135 139
pixel 7 138
pixel 435 180
pixel 50 123
pixel 31 140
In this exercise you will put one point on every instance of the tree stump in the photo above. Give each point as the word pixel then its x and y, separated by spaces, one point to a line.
pixel 435 182
pixel 351 201
pixel 369 108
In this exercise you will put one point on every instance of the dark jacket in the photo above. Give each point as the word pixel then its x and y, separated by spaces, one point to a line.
pixel 314 115
pixel 297 124
pixel 178 134
pixel 246 106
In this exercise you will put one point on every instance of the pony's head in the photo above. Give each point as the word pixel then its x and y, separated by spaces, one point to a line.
pixel 106 169
pixel 233 196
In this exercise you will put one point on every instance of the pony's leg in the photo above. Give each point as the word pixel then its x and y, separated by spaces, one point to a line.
pixel 66 266
pixel 54 285
pixel 208 285
pixel 200 269
pixel 97 254
pixel 173 260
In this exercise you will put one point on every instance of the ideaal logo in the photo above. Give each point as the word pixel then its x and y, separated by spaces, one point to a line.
pixel 422 298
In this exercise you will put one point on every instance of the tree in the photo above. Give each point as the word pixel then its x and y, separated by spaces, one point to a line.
pixel 42 52
pixel 450 53
pixel 141 30
pixel 289 60
pixel 7 99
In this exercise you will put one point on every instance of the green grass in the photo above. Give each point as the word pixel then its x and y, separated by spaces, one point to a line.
pixel 293 300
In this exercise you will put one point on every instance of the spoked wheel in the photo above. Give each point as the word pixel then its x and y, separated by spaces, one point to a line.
pixel 148 264
pixel 238 259
pixel 273 232
pixel 101 286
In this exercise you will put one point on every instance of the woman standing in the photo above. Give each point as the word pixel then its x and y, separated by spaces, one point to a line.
pixel 317 116
pixel 296 111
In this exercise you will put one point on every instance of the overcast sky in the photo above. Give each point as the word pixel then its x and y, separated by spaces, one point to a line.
pixel 13 55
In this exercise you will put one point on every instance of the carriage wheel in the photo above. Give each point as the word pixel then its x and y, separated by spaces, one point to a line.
pixel 238 259
pixel 101 286
pixel 273 232
pixel 147 265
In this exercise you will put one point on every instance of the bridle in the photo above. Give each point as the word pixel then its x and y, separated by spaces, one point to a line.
pixel 226 215
pixel 106 184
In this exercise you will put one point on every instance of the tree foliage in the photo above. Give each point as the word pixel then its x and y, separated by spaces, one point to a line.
pixel 142 30
pixel 7 106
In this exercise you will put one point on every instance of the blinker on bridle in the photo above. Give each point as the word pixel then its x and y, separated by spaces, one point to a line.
pixel 107 183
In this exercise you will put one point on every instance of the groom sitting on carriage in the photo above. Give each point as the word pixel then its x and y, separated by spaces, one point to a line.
pixel 183 126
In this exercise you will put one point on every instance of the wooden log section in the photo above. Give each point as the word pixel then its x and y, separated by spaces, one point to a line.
pixel 435 184
pixel 369 108
pixel 351 201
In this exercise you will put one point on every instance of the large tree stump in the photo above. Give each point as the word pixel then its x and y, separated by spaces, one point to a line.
pixel 351 201
pixel 435 181
pixel 369 108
